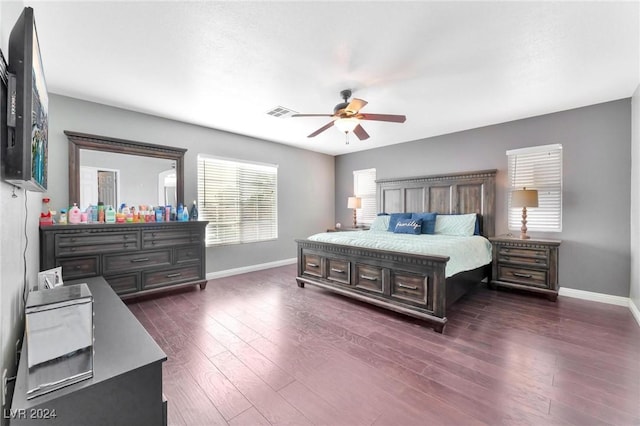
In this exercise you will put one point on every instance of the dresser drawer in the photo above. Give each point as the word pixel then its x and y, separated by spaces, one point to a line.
pixel 312 264
pixel 79 244
pixel 170 238
pixel 369 278
pixel 530 277
pixel 409 287
pixel 339 270
pixel 154 279
pixel 188 254
pixel 79 267
pixel 115 263
pixel 123 284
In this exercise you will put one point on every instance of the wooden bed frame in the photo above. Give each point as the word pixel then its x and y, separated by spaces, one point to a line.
pixel 410 284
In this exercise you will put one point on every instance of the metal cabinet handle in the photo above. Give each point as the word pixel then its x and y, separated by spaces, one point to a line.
pixel 369 278
pixel 517 274
pixel 141 259
pixel 312 265
pixel 339 271
pixel 177 274
pixel 410 287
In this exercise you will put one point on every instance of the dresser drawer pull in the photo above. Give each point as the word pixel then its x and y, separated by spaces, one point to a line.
pixel 125 237
pixel 410 287
pixel 312 265
pixel 519 275
pixel 141 259
pixel 177 274
pixel 73 249
pixel 369 278
pixel 538 261
pixel 78 267
pixel 339 271
pixel 506 250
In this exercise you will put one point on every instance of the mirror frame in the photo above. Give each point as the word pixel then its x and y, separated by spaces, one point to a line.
pixel 78 141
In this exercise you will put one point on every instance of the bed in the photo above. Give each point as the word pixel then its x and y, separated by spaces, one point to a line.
pixel 419 284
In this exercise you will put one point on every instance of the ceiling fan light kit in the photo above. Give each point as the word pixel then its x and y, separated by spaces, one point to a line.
pixel 347 117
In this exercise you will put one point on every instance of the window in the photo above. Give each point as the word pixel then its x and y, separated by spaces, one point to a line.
pixel 364 186
pixel 239 199
pixel 538 167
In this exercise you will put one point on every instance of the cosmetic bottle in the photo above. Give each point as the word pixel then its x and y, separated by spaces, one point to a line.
pixel 193 214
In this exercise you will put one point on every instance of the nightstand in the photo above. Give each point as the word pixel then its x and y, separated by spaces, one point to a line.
pixel 530 265
pixel 345 229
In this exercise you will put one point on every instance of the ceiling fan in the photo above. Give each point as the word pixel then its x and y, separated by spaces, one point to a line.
pixel 347 117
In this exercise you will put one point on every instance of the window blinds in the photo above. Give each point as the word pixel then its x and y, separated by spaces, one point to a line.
pixel 239 199
pixel 364 186
pixel 540 168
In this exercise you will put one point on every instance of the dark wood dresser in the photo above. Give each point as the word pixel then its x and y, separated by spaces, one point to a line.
pixel 530 265
pixel 134 258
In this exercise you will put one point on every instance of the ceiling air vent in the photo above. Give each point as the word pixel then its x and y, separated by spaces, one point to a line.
pixel 281 112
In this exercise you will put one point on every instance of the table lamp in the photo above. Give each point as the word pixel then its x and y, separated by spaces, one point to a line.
pixel 524 198
pixel 354 203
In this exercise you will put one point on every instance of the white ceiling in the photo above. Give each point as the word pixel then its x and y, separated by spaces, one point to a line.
pixel 448 66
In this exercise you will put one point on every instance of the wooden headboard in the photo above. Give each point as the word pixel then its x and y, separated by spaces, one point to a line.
pixel 455 193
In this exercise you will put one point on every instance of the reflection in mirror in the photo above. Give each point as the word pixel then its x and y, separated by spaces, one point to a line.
pixel 117 171
pixel 115 178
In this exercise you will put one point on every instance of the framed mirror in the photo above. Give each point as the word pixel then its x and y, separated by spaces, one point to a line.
pixel 117 171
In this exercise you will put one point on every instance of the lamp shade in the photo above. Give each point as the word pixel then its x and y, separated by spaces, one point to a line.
pixel 346 125
pixel 354 203
pixel 524 198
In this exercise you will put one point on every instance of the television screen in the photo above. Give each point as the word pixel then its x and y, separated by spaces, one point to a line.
pixel 25 155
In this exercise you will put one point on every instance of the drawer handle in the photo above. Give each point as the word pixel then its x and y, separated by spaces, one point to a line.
pixel 153 243
pixel 507 258
pixel 506 250
pixel 78 267
pixel 177 274
pixel 141 259
pixel 312 265
pixel 410 287
pixel 519 275
pixel 126 237
pixel 339 271
pixel 369 278
pixel 73 249
pixel 538 261
pixel 73 240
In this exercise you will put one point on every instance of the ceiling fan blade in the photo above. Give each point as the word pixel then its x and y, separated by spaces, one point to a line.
pixel 311 115
pixel 360 132
pixel 355 105
pixel 383 117
pixel 321 129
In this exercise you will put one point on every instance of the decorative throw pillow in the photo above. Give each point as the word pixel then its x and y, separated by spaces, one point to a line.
pixel 462 225
pixel 380 223
pixel 395 217
pixel 476 230
pixel 428 221
pixel 409 226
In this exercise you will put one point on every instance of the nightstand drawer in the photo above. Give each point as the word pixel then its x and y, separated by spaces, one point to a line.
pixel 338 270
pixel 369 278
pixel 541 261
pixel 522 252
pixel 530 277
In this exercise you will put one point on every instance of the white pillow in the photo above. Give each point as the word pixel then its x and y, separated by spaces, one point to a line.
pixel 380 223
pixel 462 225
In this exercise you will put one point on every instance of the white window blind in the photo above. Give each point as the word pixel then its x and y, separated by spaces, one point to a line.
pixel 239 199
pixel 364 186
pixel 538 167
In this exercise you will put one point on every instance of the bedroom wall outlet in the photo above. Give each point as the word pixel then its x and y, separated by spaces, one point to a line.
pixel 4 386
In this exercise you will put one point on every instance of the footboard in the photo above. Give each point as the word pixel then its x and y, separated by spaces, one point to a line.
pixel 406 283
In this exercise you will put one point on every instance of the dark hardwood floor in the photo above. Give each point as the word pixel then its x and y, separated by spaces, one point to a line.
pixel 255 349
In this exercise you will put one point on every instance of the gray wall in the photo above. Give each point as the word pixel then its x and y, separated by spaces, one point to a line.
pixel 305 178
pixel 634 292
pixel 595 254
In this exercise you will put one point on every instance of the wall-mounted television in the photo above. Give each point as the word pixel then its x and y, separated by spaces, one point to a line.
pixel 25 151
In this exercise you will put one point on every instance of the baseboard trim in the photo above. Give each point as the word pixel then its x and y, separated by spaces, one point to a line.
pixel 595 297
pixel 634 310
pixel 251 268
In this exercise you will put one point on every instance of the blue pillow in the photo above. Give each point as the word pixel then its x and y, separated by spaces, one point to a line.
pixel 408 226
pixel 395 217
pixel 428 221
